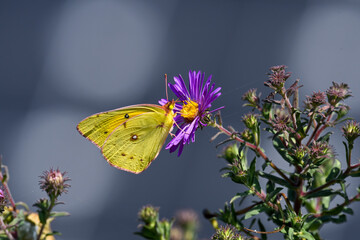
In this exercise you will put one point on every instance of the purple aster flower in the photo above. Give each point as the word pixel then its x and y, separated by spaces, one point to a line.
pixel 196 99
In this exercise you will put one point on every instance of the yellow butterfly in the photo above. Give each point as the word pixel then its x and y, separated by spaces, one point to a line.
pixel 130 138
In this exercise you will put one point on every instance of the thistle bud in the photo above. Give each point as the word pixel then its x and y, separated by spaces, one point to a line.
pixel 320 150
pixel 277 77
pixel 226 233
pixel 187 217
pixel 149 214
pixel 247 135
pixel 337 92
pixel 351 131
pixel 54 182
pixel 250 121
pixel 315 100
pixel 251 97
pixel 300 153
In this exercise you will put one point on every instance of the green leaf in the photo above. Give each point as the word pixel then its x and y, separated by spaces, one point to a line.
pixel 340 219
pixel 252 223
pixel 275 179
pixel 279 146
pixel 291 233
pixel 306 235
pixel 252 172
pixel 54 233
pixel 348 211
pixel 42 217
pixel 321 193
pixel 59 214
pixel 326 137
pixel 254 211
pixel 262 229
pixel 265 164
pixel 270 186
pixel 346 151
pixel 333 174
pixel 240 195
pixel 23 205
pixel 269 196
pixel 334 211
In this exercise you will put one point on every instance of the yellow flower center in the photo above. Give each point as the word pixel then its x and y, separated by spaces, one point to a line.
pixel 189 110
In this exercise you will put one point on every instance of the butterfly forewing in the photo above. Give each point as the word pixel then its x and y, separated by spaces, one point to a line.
pixel 98 127
pixel 133 145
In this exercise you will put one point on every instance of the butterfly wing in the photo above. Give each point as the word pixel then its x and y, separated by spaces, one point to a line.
pixel 98 127
pixel 133 145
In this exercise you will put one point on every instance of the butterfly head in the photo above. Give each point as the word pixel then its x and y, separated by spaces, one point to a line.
pixel 169 106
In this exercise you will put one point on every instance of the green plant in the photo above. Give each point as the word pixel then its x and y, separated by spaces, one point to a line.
pixel 299 202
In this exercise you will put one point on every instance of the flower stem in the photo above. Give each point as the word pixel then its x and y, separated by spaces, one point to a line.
pixel 3 227
pixel 52 204
pixel 7 189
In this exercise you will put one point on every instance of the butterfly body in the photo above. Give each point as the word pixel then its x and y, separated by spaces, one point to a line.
pixel 130 138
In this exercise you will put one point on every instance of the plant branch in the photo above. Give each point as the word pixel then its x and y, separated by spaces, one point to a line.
pixel 256 149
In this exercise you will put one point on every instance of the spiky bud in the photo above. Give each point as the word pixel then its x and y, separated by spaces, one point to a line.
pixel 54 182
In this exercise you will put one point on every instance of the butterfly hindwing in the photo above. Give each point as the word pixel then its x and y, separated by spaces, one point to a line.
pixel 133 145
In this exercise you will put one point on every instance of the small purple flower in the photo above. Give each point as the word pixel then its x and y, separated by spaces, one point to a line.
pixel 196 99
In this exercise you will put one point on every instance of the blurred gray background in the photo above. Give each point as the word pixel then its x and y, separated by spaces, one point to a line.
pixel 61 61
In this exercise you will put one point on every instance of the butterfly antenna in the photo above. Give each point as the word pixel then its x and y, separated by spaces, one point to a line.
pixel 166 88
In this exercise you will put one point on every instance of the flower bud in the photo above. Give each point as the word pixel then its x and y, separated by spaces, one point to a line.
pixel 53 182
pixel 2 200
pixel 315 100
pixel 148 214
pixel 337 92
pixel 247 135
pixel 250 121
pixel 351 131
pixel 277 77
pixel 230 153
pixel 251 97
pixel 226 233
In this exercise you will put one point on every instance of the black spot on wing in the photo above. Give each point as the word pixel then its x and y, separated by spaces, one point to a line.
pixel 134 137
